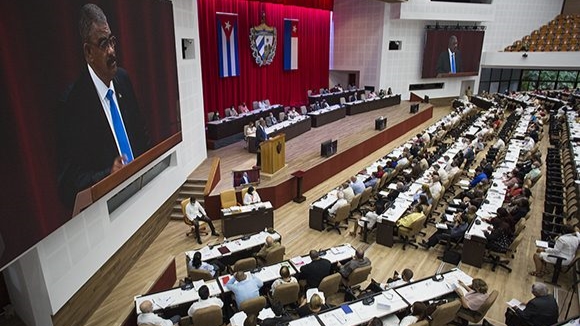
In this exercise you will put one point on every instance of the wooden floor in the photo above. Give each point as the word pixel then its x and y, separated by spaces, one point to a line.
pixel 291 220
pixel 303 151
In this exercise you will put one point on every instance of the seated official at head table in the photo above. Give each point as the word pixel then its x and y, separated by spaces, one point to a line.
pixel 268 246
pixel 147 317
pixel 315 271
pixel 204 301
pixel 252 197
pixel 242 108
pixel 244 287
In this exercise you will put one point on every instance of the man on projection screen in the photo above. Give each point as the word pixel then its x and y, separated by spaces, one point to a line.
pixel 100 128
pixel 449 61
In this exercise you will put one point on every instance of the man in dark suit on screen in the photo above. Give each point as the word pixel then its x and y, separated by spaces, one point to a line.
pixel 100 128
pixel 449 61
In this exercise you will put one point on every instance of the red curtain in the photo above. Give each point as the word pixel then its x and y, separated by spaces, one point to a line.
pixel 316 4
pixel 267 82
pixel 41 56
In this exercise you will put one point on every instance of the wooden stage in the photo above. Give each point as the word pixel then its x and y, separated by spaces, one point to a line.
pixel 356 137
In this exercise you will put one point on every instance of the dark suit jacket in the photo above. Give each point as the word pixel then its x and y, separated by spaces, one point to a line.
pixel 443 65
pixel 87 147
pixel 261 135
pixel 314 272
pixel 540 311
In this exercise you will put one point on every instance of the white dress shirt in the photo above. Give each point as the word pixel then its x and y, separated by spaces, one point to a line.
pixel 252 198
pixel 152 319
pixel 194 211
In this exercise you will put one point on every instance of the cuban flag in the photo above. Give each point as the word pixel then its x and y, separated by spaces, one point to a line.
pixel 290 44
pixel 227 33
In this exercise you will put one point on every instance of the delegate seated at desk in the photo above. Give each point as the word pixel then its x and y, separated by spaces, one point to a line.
pixel 242 108
pixel 541 310
pixel 453 233
pixel 472 297
pixel 147 317
pixel 315 271
pixel 409 219
pixel 359 260
pixel 285 278
pixel 315 306
pixel 244 287
pixel 268 246
pixel 204 301
pixel 252 197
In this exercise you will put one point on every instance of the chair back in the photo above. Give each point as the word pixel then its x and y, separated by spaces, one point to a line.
pixel 303 110
pixel 309 92
pixel 415 228
pixel 246 130
pixel 275 255
pixel 342 214
pixel 320 91
pixel 208 316
pixel 210 116
pixel 354 202
pixel 244 192
pixel 228 198
pixel 475 316
pixel 366 195
pixel 184 204
pixel 269 121
pixel 420 323
pixel 228 112
pixel 363 97
pixel 199 274
pixel 330 284
pixel 286 293
pixel 244 264
pixel 514 246
pixel 255 105
pixel 445 313
pixel 253 306
pixel 281 116
pixel 342 101
pixel 267 102
pixel 358 275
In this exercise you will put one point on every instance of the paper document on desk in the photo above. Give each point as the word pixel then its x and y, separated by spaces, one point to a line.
pixel 238 319
pixel 338 250
pixel 542 244
pixel 449 217
pixel 441 226
pixel 198 284
pixel 163 301
pixel 297 261
pixel 334 317
pixel 516 303
pixel 266 313
pixel 365 312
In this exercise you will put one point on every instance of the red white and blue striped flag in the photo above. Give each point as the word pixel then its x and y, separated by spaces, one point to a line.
pixel 227 33
pixel 290 44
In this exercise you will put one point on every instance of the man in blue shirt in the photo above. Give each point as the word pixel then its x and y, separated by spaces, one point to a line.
pixel 356 185
pixel 479 176
pixel 244 287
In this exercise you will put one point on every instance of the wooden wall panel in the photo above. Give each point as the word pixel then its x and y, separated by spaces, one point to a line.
pixel 83 303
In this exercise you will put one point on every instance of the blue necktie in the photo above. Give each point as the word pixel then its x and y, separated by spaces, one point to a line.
pixel 119 128
pixel 453 62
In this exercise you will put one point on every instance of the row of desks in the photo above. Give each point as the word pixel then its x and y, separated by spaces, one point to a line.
pixel 177 301
pixel 291 129
pixel 334 98
pixel 235 125
pixel 474 243
pixel 247 219
pixel 388 302
pixel 357 107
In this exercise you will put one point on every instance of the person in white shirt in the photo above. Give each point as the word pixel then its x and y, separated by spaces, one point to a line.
pixel 147 317
pixel 252 197
pixel 339 203
pixel 285 278
pixel 426 137
pixel 204 301
pixel 499 144
pixel 262 105
pixel 292 114
pixel 565 246
pixel 529 143
pixel 443 175
pixel 435 187
pixel 195 213
pixel 348 192
pixel 196 263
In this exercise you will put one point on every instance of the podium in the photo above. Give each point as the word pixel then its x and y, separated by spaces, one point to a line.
pixel 273 152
